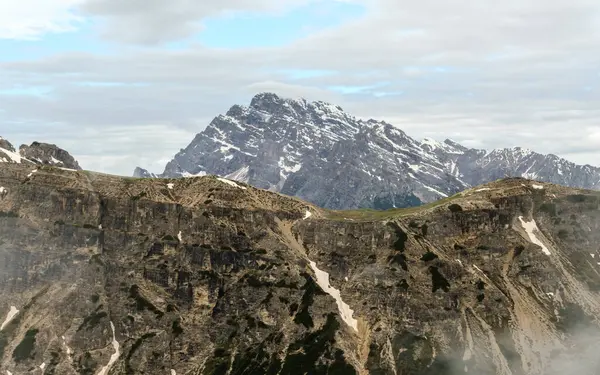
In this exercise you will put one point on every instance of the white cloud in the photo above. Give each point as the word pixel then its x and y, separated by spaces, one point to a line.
pixel 160 21
pixel 30 19
pixel 488 73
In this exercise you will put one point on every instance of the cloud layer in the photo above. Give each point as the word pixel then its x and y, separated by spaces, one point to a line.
pixel 489 74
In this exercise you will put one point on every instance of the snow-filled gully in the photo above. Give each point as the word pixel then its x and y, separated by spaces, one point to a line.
pixel 531 227
pixel 343 308
pixel 115 356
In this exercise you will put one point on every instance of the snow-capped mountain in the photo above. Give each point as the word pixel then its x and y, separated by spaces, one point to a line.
pixel 318 152
pixel 37 153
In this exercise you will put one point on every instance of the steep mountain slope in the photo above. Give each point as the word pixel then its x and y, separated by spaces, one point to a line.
pixel 318 152
pixel 37 153
pixel 107 275
pixel 479 166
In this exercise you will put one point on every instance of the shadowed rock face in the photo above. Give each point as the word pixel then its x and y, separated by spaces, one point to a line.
pixel 206 276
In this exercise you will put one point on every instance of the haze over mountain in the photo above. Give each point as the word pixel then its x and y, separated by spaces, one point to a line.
pixel 318 152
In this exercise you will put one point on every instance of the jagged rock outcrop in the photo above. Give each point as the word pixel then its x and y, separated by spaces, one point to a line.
pixel 37 153
pixel 50 154
pixel 143 173
pixel 210 276
pixel 318 152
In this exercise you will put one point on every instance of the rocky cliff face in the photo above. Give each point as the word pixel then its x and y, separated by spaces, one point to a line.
pixel 108 275
pixel 49 154
pixel 318 152
pixel 37 153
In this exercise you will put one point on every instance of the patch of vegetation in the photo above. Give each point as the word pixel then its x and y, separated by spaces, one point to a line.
pixel 59 222
pixel 549 208
pixel 563 234
pixel 168 237
pixel 577 198
pixel 455 208
pixel 5 214
pixel 94 298
pixel 367 214
pixel 26 347
pixel 92 320
pixel 399 201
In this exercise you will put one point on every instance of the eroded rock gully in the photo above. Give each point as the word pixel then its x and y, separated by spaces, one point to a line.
pixel 113 275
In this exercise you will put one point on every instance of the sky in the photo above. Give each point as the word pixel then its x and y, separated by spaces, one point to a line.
pixel 121 84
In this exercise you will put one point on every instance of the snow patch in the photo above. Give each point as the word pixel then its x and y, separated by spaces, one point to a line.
pixel 483 189
pixel 240 175
pixel 43 366
pixel 32 172
pixel 55 160
pixel 432 142
pixel 434 190
pixel 15 157
pixel 593 255
pixel 231 183
pixel 115 356
pixel 179 237
pixel 69 350
pixel 173 372
pixel 537 187
pixel 9 317
pixel 307 214
pixel 170 185
pixel 293 169
pixel 345 310
pixel 188 174
pixel 530 227
pixel 3 190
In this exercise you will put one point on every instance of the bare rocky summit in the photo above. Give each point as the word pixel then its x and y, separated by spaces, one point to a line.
pixel 322 154
pixel 109 275
pixel 37 153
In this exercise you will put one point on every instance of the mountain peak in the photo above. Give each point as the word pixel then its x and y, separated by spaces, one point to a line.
pixel 266 100
pixel 37 153
pixel 318 152
pixel 50 154
pixel 5 144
